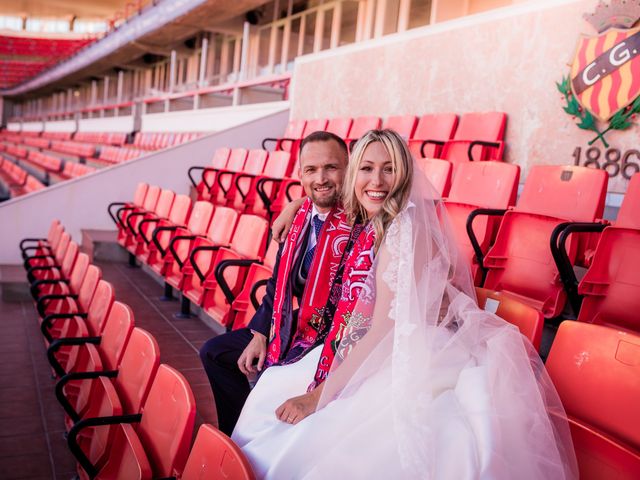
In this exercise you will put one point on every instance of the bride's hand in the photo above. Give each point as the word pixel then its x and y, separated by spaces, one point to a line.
pixel 298 408
pixel 282 224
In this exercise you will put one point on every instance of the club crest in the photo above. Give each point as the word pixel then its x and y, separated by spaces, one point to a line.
pixel 603 85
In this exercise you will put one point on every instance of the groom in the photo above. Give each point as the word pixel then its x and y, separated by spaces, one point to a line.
pixel 277 333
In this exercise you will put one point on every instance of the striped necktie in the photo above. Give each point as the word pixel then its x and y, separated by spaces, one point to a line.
pixel 308 257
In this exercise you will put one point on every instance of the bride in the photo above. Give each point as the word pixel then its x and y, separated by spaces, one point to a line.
pixel 413 381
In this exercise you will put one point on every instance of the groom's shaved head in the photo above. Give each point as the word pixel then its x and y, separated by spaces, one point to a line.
pixel 323 161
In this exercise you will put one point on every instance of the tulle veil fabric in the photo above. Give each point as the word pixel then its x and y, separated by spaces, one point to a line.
pixel 468 395
pixel 424 385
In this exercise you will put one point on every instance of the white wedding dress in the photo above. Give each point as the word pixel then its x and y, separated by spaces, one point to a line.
pixel 435 389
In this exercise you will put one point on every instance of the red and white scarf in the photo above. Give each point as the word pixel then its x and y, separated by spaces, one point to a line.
pixel 330 246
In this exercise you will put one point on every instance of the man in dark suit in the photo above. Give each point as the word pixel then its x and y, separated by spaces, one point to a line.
pixel 232 357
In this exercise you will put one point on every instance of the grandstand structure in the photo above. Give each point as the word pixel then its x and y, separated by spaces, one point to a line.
pixel 164 135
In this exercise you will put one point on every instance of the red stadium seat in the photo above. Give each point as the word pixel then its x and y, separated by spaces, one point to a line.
pixel 438 172
pixel 224 177
pixel 208 174
pixel 41 245
pixel 480 193
pixel 165 429
pixel 478 137
pixel 403 125
pixel 528 320
pixel 41 276
pixel 242 181
pixel 215 457
pixel 611 286
pixel 596 370
pixel 360 126
pixel 521 260
pixel 340 126
pixel 134 220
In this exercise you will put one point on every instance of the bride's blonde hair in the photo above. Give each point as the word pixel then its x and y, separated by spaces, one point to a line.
pixel 402 164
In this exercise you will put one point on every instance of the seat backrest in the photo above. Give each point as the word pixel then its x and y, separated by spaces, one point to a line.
pixel 485 184
pixel 277 164
pixel 566 192
pixel 629 213
pixel 88 287
pixel 200 217
pixel 271 255
pixel 140 194
pixel 117 329
pixel 127 457
pixel 215 456
pixel 340 126
pixel 99 308
pixel 167 422
pixel 180 209
pixel 248 239
pixel 362 125
pixel 220 157
pixel 237 159
pixel 69 259
pixel 61 248
pixel 295 129
pixel 54 228
pixel 255 161
pixel 596 370
pixel 436 126
pixel 488 126
pixel 438 172
pixel 79 271
pixel 528 320
pixel 165 200
pixel 222 225
pixel 151 198
pixel 316 125
pixel 140 361
pixel 403 125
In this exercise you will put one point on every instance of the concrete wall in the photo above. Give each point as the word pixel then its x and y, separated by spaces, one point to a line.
pixel 82 203
pixel 108 124
pixel 502 60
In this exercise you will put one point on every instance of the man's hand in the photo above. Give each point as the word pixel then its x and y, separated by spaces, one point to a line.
pixel 298 408
pixel 257 349
pixel 282 224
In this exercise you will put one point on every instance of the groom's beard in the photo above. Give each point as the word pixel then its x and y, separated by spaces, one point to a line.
pixel 325 201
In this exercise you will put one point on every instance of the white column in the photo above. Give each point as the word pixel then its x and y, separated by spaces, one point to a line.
pixel 172 71
pixel 244 56
pixel 204 50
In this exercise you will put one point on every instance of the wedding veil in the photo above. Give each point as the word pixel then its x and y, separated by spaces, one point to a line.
pixel 458 392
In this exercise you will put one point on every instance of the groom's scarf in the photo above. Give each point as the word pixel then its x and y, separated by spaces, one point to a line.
pixel 358 288
pixel 326 261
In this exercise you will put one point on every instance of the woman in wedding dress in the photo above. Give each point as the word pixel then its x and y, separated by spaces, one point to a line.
pixel 421 383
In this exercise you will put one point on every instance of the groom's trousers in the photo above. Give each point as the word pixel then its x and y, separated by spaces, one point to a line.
pixel 230 386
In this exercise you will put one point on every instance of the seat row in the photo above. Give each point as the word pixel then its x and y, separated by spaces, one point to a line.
pixel 604 434
pixel 16 180
pixel 205 252
pixel 120 421
pixel 159 140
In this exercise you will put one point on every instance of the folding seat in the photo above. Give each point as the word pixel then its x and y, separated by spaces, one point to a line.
pixel 72 303
pixel 216 278
pixel 178 215
pixel 479 195
pixel 119 210
pixel 64 353
pixel 265 187
pixel 208 174
pixel 164 429
pixel 611 286
pixel 438 172
pixel 478 137
pixel 528 320
pixel 42 276
pixel 290 189
pixel 134 219
pixel 521 261
pixel 340 126
pixel 79 392
pixel 403 125
pixel 53 259
pixel 148 205
pixel 294 132
pixel 241 181
pixel 360 126
pixel 214 456
pixel 245 304
pixel 224 177
pixel 214 230
pixel 42 245
pixel 596 371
